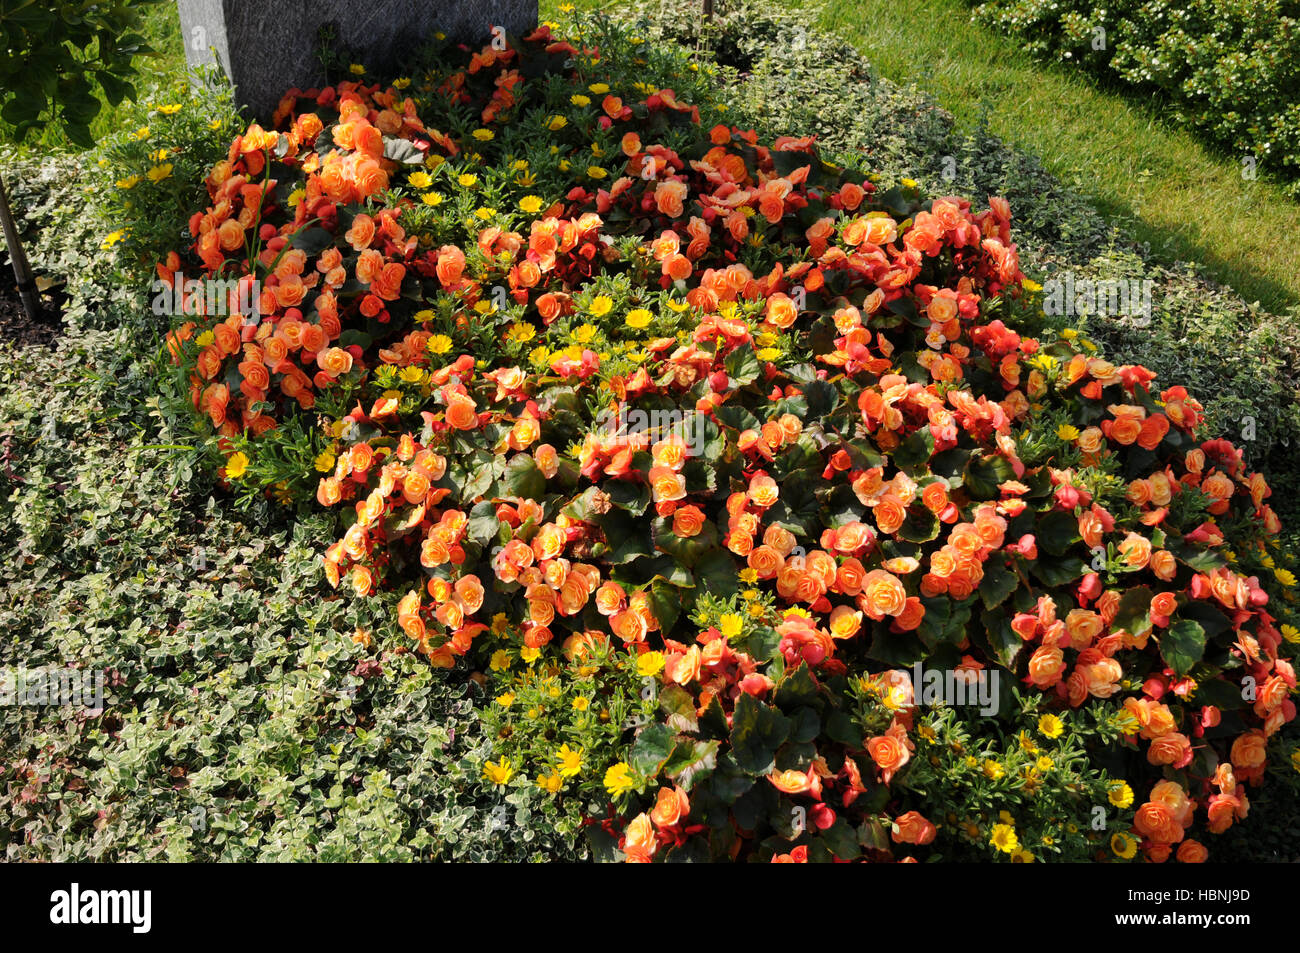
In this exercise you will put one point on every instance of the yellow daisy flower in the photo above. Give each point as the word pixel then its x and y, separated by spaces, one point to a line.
pixel 236 466
pixel 1120 794
pixel 521 332
pixel 1123 845
pixel 618 779
pixel 649 664
pixel 638 318
pixel 498 773
pixel 1004 838
pixel 569 760
pixel 1051 726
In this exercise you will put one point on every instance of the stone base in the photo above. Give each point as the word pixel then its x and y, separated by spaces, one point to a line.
pixel 268 46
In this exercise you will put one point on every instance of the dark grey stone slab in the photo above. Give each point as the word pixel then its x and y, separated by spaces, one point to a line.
pixel 268 46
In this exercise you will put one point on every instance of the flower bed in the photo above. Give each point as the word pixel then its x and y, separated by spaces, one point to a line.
pixel 697 444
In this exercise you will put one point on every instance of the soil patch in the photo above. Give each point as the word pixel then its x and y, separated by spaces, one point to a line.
pixel 15 326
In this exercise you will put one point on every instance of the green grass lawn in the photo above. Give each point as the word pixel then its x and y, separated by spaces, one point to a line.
pixel 1186 202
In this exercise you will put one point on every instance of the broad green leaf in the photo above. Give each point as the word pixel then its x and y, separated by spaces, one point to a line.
pixel 678 706
pixel 653 744
pixel 1182 645
pixel 983 476
pixel 914 453
pixel 523 478
pixel 1056 532
pixel 1134 612
pixel 690 760
pixel 999 582
pixel 403 151
pixel 757 731
pixel 483 522
pixel 796 688
pixel 715 571
pixel 1001 640
pixel 944 620
pixel 742 366
pixel 1057 571
pixel 313 240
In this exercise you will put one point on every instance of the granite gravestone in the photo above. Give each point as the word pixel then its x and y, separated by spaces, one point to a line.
pixel 268 46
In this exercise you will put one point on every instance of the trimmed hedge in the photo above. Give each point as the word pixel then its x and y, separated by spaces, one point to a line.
pixel 1228 68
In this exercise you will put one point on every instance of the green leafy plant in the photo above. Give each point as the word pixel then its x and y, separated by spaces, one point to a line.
pixel 57 56
pixel 60 54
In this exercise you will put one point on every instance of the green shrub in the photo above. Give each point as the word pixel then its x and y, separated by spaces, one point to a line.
pixel 96 223
pixel 60 55
pixel 1228 68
